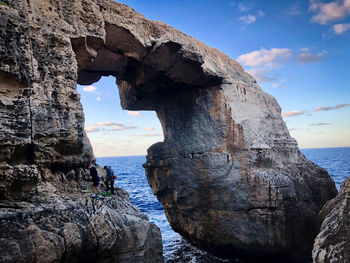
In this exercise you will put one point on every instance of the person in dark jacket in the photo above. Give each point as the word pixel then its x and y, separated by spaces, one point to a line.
pixel 110 178
pixel 95 181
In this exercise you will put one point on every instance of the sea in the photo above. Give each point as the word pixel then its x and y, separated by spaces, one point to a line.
pixel 131 177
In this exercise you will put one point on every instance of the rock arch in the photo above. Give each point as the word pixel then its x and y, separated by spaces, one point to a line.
pixel 230 177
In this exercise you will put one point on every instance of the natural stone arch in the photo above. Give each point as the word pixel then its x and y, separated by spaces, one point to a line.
pixel 230 177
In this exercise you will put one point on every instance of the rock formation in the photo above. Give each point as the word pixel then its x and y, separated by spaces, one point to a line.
pixel 57 226
pixel 45 215
pixel 230 177
pixel 333 242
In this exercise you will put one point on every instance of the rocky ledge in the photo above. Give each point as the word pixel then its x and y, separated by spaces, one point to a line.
pixel 61 224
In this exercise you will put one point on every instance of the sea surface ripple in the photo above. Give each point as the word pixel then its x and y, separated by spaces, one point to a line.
pixel 131 177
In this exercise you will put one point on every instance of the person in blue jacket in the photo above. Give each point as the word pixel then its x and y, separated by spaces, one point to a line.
pixel 110 178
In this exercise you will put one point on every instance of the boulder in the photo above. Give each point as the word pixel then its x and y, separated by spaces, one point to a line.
pixel 332 243
pixel 72 228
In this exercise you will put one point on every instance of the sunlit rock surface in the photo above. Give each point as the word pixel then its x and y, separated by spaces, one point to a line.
pixel 333 242
pixel 230 177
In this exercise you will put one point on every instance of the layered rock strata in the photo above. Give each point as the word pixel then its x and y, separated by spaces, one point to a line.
pixel 333 242
pixel 45 216
pixel 230 177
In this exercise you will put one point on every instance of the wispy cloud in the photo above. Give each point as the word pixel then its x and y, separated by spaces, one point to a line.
pixel 263 61
pixel 98 98
pixel 248 19
pixel 329 12
pixel 246 6
pixel 340 28
pixel 148 128
pixel 134 113
pixel 320 124
pixel 115 127
pixel 306 56
pixel 251 18
pixel 293 10
pixel 279 84
pixel 262 74
pixel 260 13
pixel 92 129
pixel 292 113
pixel 328 108
pixel 267 58
pixel 148 135
pixel 91 89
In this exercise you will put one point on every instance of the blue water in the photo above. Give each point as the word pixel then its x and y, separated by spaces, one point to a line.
pixel 335 160
pixel 131 177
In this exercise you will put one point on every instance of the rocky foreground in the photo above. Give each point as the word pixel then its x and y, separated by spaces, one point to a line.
pixel 62 224
pixel 229 175
pixel 332 244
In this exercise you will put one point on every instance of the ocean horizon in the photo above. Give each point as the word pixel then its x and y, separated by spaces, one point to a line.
pixel 150 145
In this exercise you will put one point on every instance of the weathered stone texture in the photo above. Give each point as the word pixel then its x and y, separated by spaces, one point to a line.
pixel 333 242
pixel 230 177
pixel 58 227
pixel 45 213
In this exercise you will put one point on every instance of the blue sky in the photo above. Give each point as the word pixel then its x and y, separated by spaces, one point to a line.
pixel 299 51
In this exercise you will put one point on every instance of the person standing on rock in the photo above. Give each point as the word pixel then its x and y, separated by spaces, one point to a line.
pixel 110 178
pixel 95 180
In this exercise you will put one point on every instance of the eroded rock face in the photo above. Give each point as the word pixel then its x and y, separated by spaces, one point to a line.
pixel 230 177
pixel 45 213
pixel 60 225
pixel 332 243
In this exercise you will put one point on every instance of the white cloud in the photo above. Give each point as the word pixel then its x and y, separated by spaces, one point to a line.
pixel 292 113
pixel 134 113
pixel 245 7
pixel 267 58
pixel 341 28
pixel 339 106
pixel 306 56
pixel 148 128
pixel 115 127
pixel 328 12
pixel 263 61
pixel 90 88
pixel 98 98
pixel 248 19
pixel 320 124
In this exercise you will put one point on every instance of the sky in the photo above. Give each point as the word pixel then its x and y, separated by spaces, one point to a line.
pixel 299 51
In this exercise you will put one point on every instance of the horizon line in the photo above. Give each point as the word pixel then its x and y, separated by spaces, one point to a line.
pixel 337 147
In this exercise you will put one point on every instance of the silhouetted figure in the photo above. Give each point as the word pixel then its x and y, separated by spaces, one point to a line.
pixel 110 178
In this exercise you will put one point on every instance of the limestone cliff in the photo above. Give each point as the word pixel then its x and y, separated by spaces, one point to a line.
pixel 45 213
pixel 230 177
pixel 333 242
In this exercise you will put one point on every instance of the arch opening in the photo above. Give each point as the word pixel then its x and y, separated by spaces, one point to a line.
pixel 111 130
